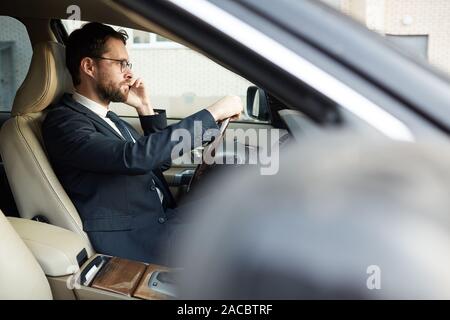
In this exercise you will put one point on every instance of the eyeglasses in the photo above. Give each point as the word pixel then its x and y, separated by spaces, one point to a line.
pixel 124 64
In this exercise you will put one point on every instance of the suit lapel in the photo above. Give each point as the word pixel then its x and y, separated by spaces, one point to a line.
pixel 71 103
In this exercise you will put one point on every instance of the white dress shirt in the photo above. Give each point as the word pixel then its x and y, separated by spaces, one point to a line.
pixel 98 109
pixel 101 111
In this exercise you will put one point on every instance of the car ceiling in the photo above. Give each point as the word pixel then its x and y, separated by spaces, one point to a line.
pixel 104 11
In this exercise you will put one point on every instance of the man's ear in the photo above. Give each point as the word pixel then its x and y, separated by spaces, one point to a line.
pixel 88 67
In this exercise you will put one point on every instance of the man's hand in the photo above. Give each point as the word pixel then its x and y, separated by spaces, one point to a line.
pixel 229 106
pixel 138 97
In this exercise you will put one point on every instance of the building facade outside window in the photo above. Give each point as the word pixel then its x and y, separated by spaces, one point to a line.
pixel 15 58
pixel 418 26
pixel 144 39
pixel 179 79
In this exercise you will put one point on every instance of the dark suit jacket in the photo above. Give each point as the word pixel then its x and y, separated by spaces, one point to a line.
pixel 110 180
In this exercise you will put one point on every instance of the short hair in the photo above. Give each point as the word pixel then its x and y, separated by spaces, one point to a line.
pixel 89 41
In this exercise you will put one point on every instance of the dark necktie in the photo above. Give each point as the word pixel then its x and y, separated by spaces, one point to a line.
pixel 120 125
pixel 127 135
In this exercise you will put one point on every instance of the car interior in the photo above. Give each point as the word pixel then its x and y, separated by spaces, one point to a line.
pixel 44 252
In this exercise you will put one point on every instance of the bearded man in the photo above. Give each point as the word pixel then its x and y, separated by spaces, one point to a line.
pixel 112 173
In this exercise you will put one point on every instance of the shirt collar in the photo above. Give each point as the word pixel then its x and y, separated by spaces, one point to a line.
pixel 90 104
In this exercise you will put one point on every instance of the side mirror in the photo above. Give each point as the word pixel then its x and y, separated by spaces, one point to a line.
pixel 257 105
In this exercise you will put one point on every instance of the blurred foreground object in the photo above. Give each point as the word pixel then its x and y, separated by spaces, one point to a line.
pixel 344 218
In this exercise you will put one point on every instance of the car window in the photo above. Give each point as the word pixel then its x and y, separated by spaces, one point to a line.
pixel 15 58
pixel 417 27
pixel 179 79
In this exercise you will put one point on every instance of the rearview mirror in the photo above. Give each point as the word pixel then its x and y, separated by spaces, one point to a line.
pixel 257 105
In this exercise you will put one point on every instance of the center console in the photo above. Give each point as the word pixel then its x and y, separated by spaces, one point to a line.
pixel 75 272
pixel 129 278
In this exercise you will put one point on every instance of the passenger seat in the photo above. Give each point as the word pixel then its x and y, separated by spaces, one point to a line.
pixel 21 277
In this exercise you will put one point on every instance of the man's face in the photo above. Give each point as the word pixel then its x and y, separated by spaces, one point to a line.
pixel 112 83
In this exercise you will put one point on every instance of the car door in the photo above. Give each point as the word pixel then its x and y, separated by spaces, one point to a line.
pixel 286 46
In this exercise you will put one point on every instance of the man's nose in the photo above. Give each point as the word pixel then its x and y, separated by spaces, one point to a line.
pixel 128 75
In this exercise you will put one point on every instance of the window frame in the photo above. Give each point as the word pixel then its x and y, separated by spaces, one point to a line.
pixel 395 39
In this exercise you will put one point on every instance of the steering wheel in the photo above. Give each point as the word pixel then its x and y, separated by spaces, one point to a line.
pixel 209 149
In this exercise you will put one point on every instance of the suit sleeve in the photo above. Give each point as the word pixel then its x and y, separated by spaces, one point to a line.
pixel 71 138
pixel 154 123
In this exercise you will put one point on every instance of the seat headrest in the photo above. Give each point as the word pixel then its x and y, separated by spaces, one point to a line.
pixel 46 81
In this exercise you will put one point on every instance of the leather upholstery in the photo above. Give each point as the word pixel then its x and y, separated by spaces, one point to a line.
pixel 35 187
pixel 56 249
pixel 21 277
pixel 46 81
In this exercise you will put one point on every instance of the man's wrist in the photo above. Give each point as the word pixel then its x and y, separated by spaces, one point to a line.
pixel 145 110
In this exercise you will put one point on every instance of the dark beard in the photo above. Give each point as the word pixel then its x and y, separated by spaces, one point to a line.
pixel 109 93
